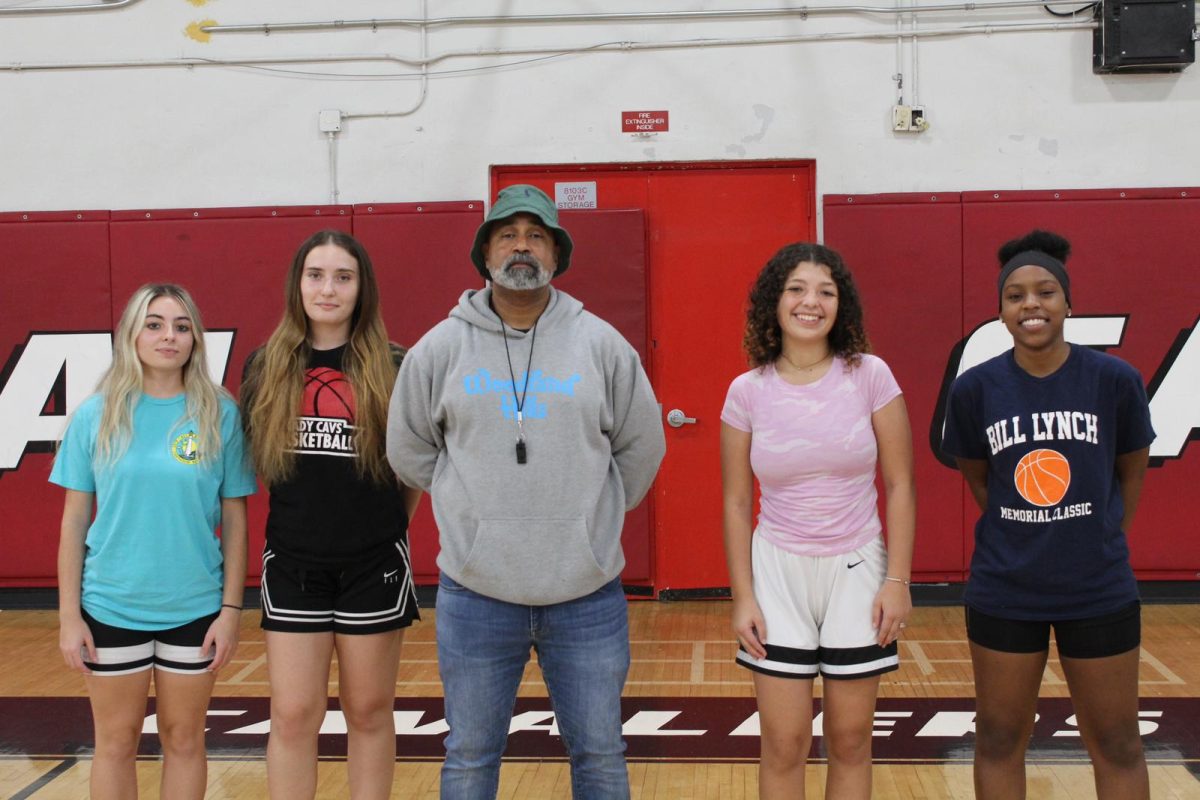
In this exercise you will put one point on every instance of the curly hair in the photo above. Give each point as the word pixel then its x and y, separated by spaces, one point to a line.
pixel 763 340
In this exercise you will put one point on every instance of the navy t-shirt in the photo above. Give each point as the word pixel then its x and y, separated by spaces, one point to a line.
pixel 1050 544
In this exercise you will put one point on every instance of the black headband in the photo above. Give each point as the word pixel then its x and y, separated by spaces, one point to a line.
pixel 1036 258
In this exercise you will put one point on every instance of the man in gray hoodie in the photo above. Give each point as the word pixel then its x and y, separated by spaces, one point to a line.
pixel 533 427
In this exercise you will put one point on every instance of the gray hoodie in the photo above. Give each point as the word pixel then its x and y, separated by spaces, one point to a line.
pixel 548 530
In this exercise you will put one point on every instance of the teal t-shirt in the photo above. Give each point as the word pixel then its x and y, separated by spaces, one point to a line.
pixel 153 560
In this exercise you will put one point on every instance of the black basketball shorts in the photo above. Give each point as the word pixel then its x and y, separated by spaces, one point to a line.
pixel 123 651
pixel 373 596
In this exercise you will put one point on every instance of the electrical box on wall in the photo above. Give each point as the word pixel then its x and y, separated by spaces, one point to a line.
pixel 1144 36
pixel 909 118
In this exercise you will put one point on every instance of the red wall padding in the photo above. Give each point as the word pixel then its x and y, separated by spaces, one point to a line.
pixel 56 279
pixel 905 254
pixel 419 252
pixel 72 272
pixel 925 264
pixel 233 261
pixel 1132 256
pixel 608 275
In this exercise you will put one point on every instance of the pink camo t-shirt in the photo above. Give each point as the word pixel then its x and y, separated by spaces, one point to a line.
pixel 813 451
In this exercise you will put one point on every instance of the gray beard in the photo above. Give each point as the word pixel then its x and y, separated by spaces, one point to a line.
pixel 520 280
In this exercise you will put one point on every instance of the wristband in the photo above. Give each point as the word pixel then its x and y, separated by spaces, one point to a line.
pixel 897 580
pixel 231 605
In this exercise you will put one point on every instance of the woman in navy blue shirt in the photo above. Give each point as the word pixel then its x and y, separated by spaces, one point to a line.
pixel 1053 440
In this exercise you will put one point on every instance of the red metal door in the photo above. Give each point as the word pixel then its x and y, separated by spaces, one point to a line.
pixel 711 227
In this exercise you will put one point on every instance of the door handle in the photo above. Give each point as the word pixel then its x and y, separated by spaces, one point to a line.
pixel 677 419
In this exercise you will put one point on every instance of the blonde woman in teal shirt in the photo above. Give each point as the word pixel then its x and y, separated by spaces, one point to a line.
pixel 153 464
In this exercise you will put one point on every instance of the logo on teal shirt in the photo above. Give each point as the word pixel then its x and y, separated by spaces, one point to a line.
pixel 186 448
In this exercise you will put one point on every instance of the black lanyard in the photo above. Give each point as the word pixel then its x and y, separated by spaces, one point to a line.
pixel 521 452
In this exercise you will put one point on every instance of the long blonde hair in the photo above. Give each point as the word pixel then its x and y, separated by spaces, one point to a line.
pixel 121 384
pixel 274 384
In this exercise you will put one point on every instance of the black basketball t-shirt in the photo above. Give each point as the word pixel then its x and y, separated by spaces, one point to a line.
pixel 327 513
pixel 1049 545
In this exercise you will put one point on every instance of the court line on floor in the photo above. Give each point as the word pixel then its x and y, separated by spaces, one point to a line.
pixel 45 779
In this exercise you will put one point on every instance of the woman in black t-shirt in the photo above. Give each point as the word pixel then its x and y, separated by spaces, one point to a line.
pixel 336 572
pixel 1053 440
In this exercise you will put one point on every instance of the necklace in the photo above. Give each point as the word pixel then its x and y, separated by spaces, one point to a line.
pixel 519 401
pixel 807 367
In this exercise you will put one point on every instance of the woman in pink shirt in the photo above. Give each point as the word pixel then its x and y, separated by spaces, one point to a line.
pixel 815 590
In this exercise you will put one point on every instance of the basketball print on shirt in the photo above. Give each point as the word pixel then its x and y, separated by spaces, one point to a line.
pixel 1042 477
pixel 326 422
pixel 327 393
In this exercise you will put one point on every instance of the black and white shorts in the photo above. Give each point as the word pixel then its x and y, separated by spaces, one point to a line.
pixel 123 651
pixel 373 596
pixel 817 610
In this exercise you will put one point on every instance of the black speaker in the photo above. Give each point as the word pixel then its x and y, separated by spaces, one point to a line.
pixel 1144 36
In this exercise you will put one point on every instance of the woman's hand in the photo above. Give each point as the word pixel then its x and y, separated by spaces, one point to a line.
pixel 74 636
pixel 890 611
pixel 749 627
pixel 223 636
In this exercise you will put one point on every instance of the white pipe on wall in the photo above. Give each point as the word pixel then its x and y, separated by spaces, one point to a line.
pixel 637 16
pixel 424 63
pixel 606 47
pixel 105 5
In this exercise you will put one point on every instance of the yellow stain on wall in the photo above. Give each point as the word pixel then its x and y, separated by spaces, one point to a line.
pixel 194 31
pixel 198 3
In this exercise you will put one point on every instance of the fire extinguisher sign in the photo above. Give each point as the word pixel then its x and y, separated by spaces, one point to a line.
pixel 644 121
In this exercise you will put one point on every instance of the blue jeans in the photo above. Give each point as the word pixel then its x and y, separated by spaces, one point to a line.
pixel 583 651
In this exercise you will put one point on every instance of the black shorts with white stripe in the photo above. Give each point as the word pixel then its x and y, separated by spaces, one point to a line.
pixel 832 663
pixel 374 596
pixel 123 651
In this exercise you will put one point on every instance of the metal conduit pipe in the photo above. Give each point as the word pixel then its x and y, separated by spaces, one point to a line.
pixel 916 100
pixel 424 92
pixel 104 5
pixel 334 193
pixel 898 77
pixel 962 30
pixel 149 63
pixel 636 16
pixel 333 181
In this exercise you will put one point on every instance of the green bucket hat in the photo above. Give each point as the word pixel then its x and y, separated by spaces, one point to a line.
pixel 523 198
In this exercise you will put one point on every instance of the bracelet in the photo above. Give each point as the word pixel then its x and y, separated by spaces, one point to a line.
pixel 897 580
pixel 231 605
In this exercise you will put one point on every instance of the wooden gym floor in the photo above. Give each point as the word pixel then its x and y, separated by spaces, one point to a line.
pixel 689 711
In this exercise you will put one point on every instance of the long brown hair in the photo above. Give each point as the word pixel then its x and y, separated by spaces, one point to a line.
pixel 274 384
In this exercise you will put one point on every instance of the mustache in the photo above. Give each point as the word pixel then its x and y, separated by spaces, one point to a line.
pixel 522 258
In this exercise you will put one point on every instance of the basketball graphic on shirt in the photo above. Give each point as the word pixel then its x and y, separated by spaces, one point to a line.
pixel 1042 477
pixel 327 394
